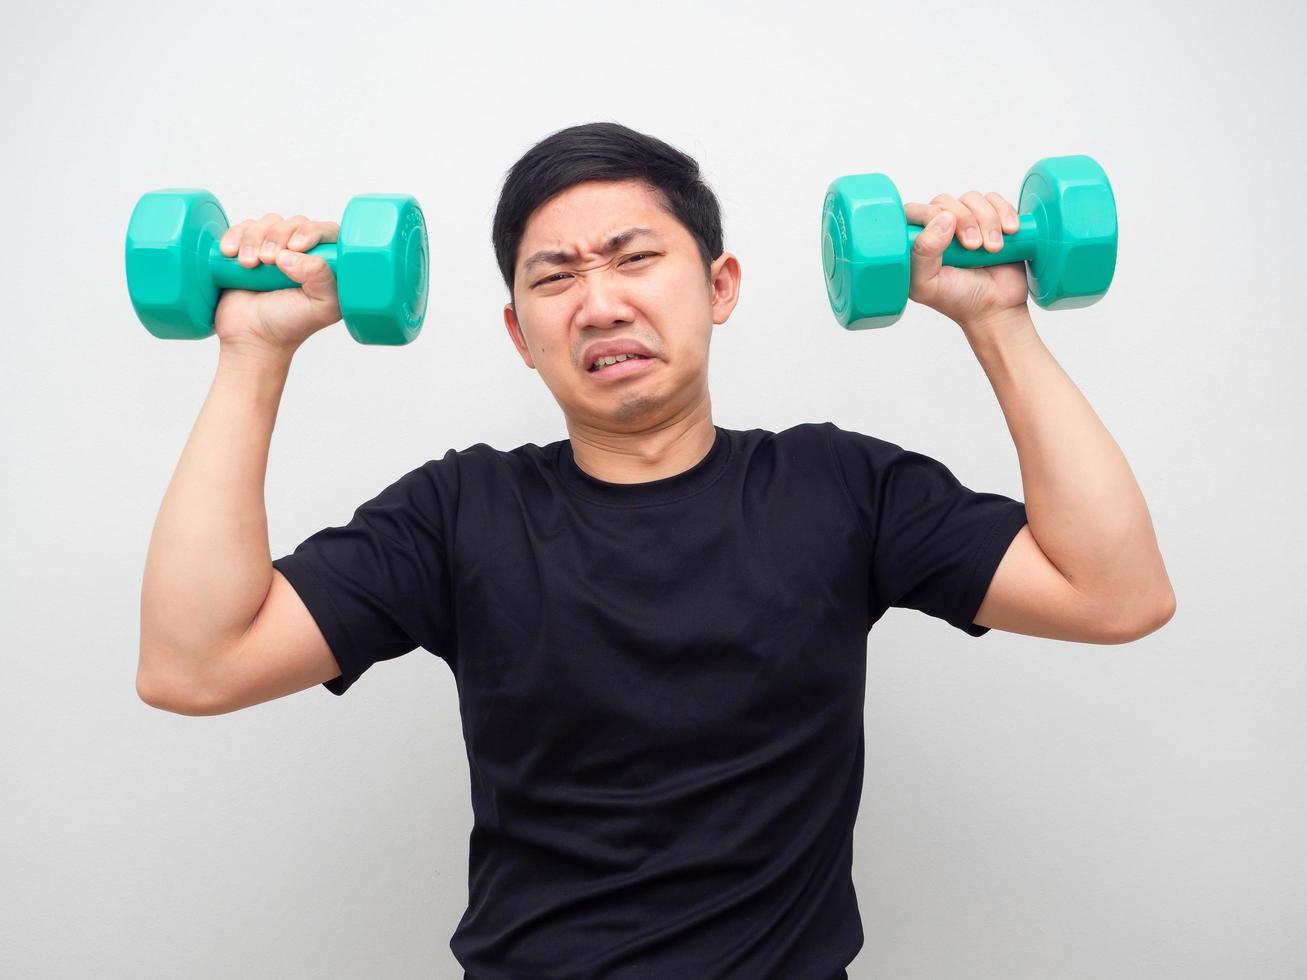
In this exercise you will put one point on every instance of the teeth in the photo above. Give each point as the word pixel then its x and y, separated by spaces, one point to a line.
pixel 603 362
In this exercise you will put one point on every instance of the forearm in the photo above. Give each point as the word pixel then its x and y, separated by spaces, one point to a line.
pixel 1083 505
pixel 209 567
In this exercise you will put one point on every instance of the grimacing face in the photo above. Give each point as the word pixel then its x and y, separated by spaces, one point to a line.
pixel 651 288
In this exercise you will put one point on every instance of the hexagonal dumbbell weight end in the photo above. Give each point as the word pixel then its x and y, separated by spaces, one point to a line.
pixel 382 268
pixel 864 251
pixel 168 241
pixel 1074 207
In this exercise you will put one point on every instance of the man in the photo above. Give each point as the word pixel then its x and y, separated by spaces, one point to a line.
pixel 657 626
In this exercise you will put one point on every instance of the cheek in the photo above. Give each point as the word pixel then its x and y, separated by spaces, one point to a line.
pixel 685 305
pixel 667 300
pixel 540 331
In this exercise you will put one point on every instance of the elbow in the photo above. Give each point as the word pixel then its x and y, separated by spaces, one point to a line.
pixel 157 696
pixel 180 685
pixel 167 698
pixel 153 695
pixel 1159 613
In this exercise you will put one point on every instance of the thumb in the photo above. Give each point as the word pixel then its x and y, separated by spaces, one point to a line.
pixel 928 249
pixel 310 271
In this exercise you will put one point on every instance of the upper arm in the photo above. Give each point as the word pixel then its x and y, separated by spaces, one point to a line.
pixel 282 652
pixel 1029 595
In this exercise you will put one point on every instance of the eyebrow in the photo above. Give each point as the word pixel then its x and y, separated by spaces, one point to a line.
pixel 557 257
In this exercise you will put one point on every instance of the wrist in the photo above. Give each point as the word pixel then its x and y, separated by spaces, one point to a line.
pixel 255 357
pixel 1010 326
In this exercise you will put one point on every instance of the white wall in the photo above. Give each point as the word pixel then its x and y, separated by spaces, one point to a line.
pixel 1032 809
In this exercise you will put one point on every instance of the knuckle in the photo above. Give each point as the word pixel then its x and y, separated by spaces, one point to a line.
pixel 266 225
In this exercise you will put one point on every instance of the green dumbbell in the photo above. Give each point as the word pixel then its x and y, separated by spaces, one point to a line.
pixel 175 269
pixel 1067 239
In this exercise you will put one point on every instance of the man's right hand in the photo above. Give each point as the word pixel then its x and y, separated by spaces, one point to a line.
pixel 280 320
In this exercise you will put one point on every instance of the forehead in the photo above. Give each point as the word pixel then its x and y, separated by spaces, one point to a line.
pixel 586 214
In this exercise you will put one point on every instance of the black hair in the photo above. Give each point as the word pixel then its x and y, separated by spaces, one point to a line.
pixel 603 151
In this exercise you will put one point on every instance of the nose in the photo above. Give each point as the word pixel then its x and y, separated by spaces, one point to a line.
pixel 603 301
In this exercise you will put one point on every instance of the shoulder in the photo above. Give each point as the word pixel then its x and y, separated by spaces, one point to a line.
pixel 826 446
pixel 482 459
pixel 852 441
pixel 482 474
pixel 821 435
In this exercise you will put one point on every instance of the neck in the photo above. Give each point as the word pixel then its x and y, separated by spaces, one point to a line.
pixel 655 453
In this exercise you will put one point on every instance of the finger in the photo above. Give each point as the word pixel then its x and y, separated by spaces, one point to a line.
pixel 985 213
pixel 968 229
pixel 919 214
pixel 311 233
pixel 252 238
pixel 310 271
pixel 928 250
pixel 1006 212
pixel 275 235
pixel 231 239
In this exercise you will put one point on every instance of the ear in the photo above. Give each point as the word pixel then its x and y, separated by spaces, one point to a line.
pixel 515 334
pixel 725 284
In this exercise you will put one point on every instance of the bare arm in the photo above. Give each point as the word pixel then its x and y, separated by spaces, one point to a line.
pixel 209 566
pixel 1090 543
pixel 1087 513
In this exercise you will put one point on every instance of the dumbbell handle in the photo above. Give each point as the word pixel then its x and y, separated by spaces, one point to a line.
pixel 1020 246
pixel 227 273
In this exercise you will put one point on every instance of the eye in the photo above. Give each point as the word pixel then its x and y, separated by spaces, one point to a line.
pixel 556 275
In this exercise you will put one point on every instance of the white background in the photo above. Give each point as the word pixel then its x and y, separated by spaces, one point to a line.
pixel 1032 808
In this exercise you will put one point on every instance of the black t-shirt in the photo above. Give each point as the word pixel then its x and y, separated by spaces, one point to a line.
pixel 661 684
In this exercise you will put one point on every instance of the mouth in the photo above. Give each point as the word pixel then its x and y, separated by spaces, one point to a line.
pixel 632 365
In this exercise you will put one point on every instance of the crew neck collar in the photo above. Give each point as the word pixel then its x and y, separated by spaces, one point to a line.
pixel 684 484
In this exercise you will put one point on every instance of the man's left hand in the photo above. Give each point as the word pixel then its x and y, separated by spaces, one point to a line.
pixel 975 299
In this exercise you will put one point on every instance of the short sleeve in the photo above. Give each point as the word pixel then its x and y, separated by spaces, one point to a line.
pixel 935 544
pixel 378 587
